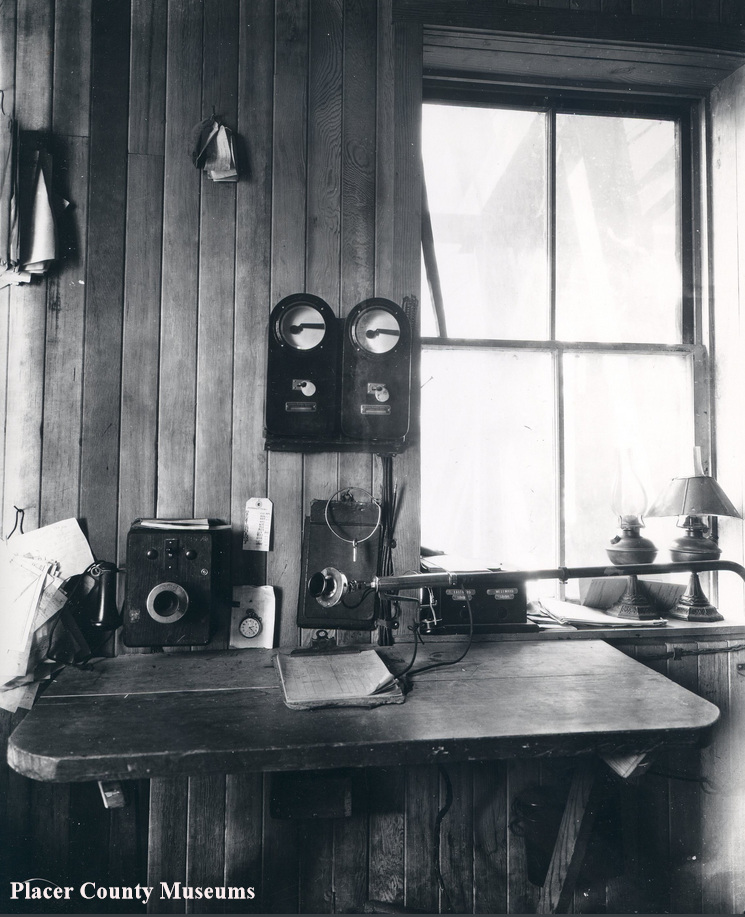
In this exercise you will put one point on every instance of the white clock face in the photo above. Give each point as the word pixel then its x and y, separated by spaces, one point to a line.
pixel 301 327
pixel 250 626
pixel 376 330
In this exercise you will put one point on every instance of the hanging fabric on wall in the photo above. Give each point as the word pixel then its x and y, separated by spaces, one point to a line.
pixel 213 150
pixel 28 232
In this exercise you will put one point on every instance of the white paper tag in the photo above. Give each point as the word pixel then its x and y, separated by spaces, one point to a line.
pixel 257 524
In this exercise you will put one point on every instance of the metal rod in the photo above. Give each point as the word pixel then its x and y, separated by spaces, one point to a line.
pixel 497 577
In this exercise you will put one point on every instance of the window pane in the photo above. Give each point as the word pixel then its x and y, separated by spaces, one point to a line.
pixel 618 274
pixel 636 401
pixel 487 456
pixel 485 171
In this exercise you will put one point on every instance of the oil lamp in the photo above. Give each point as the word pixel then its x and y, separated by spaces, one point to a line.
pixel 629 503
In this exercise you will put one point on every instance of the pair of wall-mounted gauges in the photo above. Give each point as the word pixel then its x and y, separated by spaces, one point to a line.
pixel 327 375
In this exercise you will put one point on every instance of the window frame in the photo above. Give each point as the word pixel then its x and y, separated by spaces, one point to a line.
pixel 689 115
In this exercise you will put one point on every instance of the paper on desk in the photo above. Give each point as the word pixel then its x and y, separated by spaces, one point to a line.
pixel 62 541
pixel 582 615
pixel 334 676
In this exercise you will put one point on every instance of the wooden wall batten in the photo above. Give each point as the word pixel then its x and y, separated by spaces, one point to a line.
pixel 141 390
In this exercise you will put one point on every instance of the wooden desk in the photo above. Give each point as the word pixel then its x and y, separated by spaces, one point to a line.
pixel 160 715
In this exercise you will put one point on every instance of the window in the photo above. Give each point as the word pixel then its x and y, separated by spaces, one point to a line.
pixel 558 321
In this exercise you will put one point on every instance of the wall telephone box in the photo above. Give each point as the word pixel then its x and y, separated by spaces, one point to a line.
pixel 177 584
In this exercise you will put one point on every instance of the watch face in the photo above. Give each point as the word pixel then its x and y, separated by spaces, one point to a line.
pixel 250 626
pixel 376 330
pixel 301 327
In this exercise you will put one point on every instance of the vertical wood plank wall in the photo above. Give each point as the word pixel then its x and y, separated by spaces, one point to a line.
pixel 133 384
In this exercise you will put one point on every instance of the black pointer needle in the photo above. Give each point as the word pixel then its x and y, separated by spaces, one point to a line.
pixel 374 332
pixel 296 329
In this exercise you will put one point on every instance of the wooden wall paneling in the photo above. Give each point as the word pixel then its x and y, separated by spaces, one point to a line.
pixel 205 851
pixel 7 88
pixel 323 242
pixel 243 834
pixel 34 64
pixel 646 7
pixel 556 4
pixel 522 896
pixel 5 870
pixel 385 795
pixel 27 310
pixel 728 206
pixel 457 840
pixel 128 833
pixel 385 131
pixel 422 797
pixel 490 818
pixel 178 328
pixel 140 350
pixel 733 793
pixel 685 807
pixel 588 6
pixel 326 54
pixel 88 843
pixel 167 841
pixel 280 891
pixel 216 286
pixel 677 9
pixel 407 271
pixel 147 110
pixel 358 218
pixel 142 266
pixel 288 234
pixel 732 12
pixel 18 855
pixel 105 275
pixel 216 275
pixel 706 10
pixel 63 371
pixel 653 841
pixel 616 7
pixel 253 277
pixel 288 276
pixel 719 823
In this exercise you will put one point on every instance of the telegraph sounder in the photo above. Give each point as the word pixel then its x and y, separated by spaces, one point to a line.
pixel 302 368
pixel 376 371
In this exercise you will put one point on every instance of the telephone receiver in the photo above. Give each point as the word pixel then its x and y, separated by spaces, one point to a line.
pixel 92 595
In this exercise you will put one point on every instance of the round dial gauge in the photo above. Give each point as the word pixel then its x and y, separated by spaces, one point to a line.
pixel 301 327
pixel 376 330
pixel 250 626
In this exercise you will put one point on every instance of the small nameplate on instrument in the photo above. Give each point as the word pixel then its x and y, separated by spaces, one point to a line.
pixel 503 595
pixel 458 594
pixel 300 407
pixel 375 409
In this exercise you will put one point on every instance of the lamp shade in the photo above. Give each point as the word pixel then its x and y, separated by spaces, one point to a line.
pixel 699 495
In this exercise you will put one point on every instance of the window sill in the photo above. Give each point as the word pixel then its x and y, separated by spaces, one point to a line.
pixel 672 631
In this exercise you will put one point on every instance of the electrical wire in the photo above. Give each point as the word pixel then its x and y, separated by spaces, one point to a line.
pixel 444 662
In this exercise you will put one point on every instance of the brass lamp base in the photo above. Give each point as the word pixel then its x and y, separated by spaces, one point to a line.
pixel 633 604
pixel 693 604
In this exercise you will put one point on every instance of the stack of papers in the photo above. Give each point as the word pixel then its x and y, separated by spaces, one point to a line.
pixel 194 524
pixel 213 150
pixel 337 679
pixel 555 612
pixel 33 568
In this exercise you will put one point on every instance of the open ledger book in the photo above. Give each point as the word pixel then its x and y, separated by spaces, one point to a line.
pixel 337 680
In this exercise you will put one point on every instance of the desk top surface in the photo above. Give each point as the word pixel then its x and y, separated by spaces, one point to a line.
pixel 156 715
